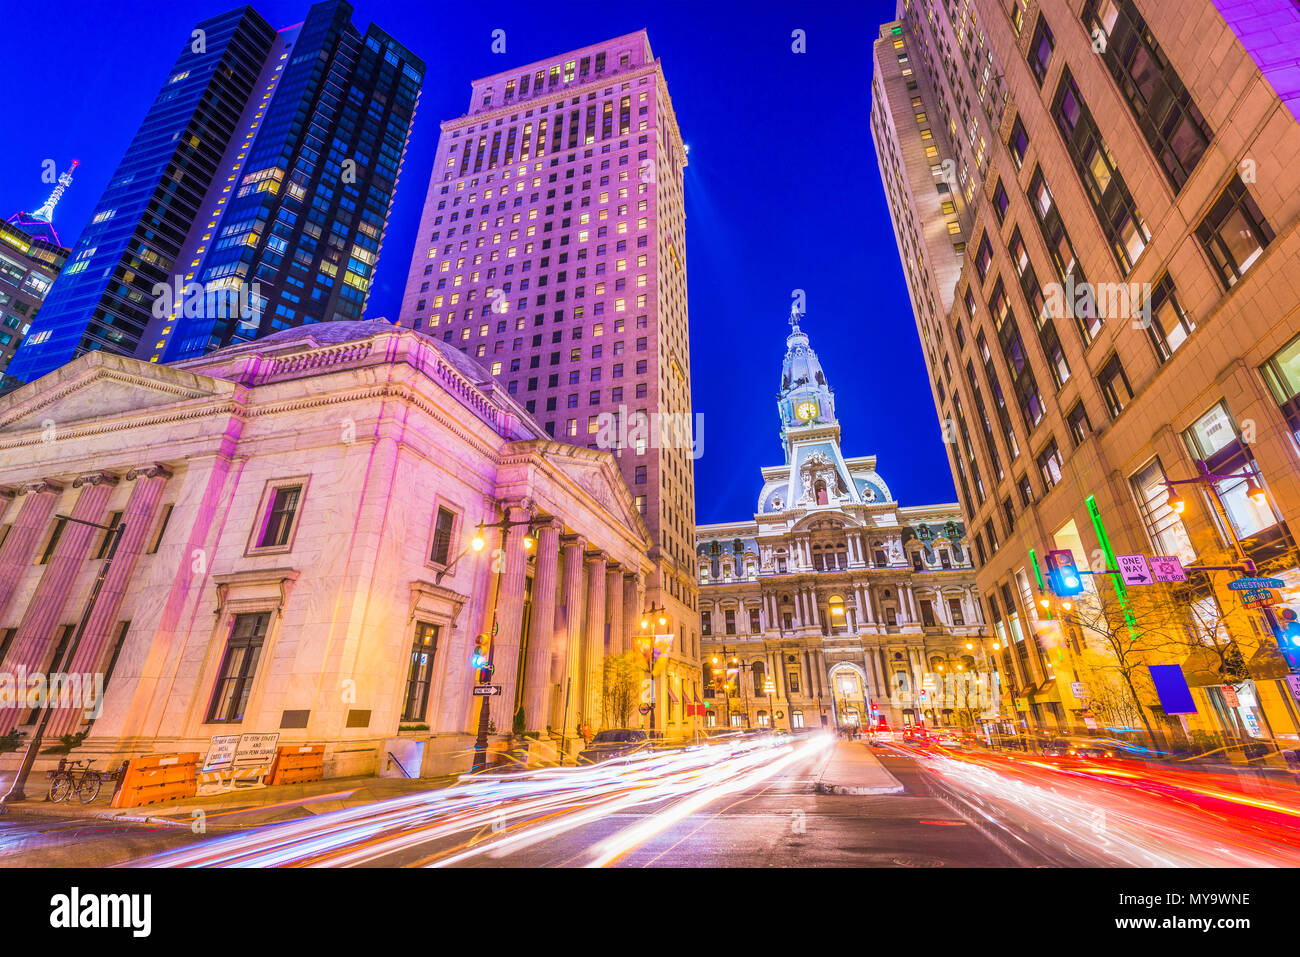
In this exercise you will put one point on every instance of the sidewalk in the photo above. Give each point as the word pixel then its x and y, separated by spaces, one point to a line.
pixel 853 769
pixel 234 810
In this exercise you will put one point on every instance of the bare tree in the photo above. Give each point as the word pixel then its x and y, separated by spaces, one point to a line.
pixel 622 684
pixel 1121 638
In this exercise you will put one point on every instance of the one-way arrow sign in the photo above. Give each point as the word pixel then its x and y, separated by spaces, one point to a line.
pixel 1134 569
pixel 485 691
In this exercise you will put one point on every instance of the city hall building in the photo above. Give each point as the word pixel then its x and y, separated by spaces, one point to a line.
pixel 298 554
pixel 835 605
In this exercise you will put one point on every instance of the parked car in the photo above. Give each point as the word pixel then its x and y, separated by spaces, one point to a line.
pixel 1056 748
pixel 614 743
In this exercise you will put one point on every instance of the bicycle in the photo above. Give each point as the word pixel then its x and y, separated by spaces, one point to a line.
pixel 76 776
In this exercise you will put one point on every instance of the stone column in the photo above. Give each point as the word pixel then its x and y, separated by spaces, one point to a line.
pixel 567 661
pixel 37 631
pixel 593 653
pixel 26 535
pixel 138 517
pixel 614 609
pixel 508 616
pixel 631 610
pixel 537 674
pixel 812 603
pixel 36 641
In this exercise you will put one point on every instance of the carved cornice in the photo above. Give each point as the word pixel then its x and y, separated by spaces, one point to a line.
pixel 82 380
pixel 122 423
pixel 283 578
pixel 423 589
pixel 156 470
pixel 95 478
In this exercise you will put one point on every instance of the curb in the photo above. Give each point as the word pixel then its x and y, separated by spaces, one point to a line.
pixel 845 789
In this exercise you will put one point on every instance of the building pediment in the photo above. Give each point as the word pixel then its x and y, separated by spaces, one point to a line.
pixel 98 387
pixel 594 473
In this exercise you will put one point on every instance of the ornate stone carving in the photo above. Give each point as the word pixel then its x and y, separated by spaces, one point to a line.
pixel 39 486
pixel 94 478
pixel 156 470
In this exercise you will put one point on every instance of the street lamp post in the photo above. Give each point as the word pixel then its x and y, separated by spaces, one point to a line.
pixel 650 619
pixel 769 688
pixel 16 790
pixel 726 691
pixel 485 671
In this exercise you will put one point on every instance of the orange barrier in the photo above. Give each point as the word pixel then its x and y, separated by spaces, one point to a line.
pixel 158 777
pixel 296 764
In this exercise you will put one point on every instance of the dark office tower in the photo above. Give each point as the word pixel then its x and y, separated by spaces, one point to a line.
pixel 301 134
pixel 307 192
pixel 104 296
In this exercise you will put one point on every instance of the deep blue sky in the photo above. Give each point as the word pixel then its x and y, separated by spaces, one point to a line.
pixel 782 190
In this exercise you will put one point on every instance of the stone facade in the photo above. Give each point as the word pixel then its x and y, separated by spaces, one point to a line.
pixel 835 604
pixel 305 504
pixel 1148 147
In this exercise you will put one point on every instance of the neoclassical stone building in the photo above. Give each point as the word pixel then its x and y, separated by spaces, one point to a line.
pixel 297 554
pixel 836 604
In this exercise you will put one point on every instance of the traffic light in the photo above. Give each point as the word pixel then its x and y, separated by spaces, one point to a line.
pixel 1062 575
pixel 482 651
pixel 1289 637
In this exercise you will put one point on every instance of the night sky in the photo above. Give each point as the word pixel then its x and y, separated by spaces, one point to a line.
pixel 782 190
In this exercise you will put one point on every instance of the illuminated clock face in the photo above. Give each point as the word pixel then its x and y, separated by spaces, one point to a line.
pixel 806 411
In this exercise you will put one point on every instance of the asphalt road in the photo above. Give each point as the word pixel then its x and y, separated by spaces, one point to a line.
pixel 746 803
pixel 758 818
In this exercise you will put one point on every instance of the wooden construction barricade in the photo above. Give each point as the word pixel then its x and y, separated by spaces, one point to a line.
pixel 296 764
pixel 158 777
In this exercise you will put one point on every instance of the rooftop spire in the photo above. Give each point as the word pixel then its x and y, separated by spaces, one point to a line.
pixel 46 213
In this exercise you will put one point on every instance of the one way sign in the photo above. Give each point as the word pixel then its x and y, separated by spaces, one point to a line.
pixel 1134 569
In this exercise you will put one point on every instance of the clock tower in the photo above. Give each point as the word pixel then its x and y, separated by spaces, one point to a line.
pixel 806 402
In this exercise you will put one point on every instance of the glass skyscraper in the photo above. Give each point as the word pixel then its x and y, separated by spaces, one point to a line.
pixel 302 140
pixel 104 296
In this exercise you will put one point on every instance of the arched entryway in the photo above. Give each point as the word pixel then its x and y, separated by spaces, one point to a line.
pixel 850 698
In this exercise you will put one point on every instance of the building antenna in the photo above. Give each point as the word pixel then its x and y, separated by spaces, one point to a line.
pixel 46 213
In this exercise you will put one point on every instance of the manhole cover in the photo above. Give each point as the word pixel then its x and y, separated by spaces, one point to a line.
pixel 917 862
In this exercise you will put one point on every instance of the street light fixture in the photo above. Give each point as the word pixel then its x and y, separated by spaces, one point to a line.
pixel 1206 480
pixel 652 647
